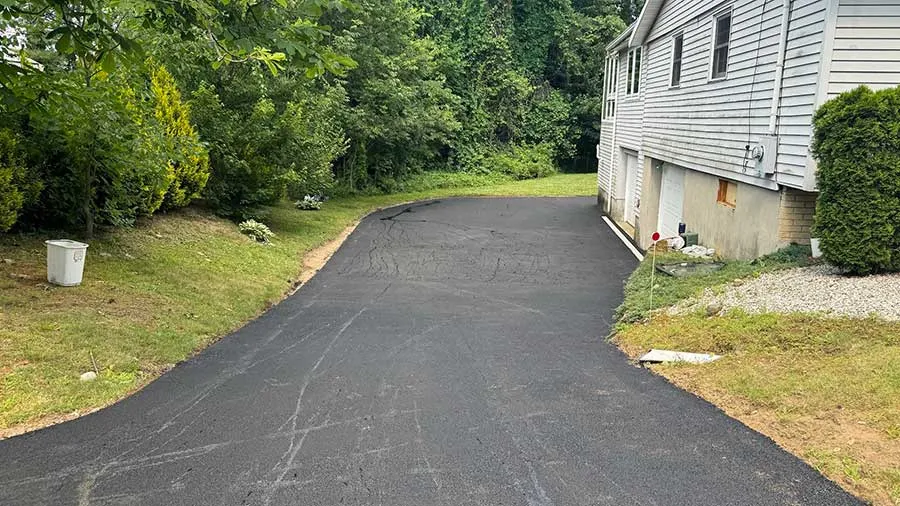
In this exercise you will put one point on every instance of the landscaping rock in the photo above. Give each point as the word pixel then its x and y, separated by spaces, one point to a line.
pixel 89 376
pixel 8 261
pixel 816 289
pixel 713 309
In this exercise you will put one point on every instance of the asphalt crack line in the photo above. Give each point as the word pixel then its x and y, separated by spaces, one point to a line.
pixel 295 445
pixel 419 439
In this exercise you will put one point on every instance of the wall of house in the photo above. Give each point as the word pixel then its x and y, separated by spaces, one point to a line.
pixel 802 70
pixel 604 163
pixel 866 45
pixel 705 125
pixel 746 231
pixel 796 216
pixel 628 135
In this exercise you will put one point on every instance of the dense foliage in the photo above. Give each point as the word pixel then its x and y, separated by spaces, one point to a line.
pixel 114 110
pixel 857 145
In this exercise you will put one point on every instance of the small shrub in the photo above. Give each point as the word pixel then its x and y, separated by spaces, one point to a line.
pixel 522 162
pixel 309 203
pixel 257 231
pixel 857 145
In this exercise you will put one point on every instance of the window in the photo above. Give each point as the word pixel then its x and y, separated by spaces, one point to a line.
pixel 634 71
pixel 677 49
pixel 612 80
pixel 727 193
pixel 721 40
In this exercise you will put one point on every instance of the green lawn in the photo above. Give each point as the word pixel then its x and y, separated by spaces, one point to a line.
pixel 155 294
pixel 826 389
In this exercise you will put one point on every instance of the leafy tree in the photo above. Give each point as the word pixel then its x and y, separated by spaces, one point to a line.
pixel 104 159
pixel 401 113
pixel 264 134
pixel 98 34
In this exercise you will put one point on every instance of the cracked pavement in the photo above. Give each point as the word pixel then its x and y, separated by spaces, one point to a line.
pixel 450 353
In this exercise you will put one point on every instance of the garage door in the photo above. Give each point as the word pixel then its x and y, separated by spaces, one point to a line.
pixel 631 168
pixel 671 200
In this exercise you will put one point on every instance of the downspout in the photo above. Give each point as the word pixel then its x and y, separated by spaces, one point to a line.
pixel 779 67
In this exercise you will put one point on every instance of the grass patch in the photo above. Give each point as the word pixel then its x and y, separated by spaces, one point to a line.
pixel 826 389
pixel 669 290
pixel 155 294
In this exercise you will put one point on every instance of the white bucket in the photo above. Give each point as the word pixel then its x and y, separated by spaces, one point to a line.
pixel 65 262
pixel 814 245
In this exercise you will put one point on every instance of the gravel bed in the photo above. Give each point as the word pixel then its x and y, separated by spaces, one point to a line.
pixel 817 289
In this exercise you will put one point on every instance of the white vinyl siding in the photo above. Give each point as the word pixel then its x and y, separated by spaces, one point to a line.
pixel 629 119
pixel 866 45
pixel 705 125
pixel 604 164
pixel 798 91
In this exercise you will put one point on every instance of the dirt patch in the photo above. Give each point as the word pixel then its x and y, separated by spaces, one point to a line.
pixel 847 451
pixel 318 257
pixel 47 421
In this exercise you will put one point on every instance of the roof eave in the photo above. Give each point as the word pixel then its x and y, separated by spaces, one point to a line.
pixel 621 40
pixel 644 22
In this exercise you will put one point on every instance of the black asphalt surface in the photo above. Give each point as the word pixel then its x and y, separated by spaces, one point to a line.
pixel 450 353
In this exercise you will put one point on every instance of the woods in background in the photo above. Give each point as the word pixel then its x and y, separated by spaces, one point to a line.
pixel 114 110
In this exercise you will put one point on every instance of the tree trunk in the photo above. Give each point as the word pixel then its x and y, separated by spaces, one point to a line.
pixel 88 218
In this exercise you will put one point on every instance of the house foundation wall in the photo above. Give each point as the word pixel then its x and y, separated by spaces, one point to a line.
pixel 745 231
pixel 795 219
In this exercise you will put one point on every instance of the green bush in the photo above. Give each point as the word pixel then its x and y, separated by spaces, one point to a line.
pixel 257 231
pixel 189 166
pixel 103 158
pixel 18 185
pixel 857 145
pixel 309 203
pixel 267 137
pixel 522 162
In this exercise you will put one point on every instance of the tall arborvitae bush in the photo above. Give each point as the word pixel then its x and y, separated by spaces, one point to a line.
pixel 189 165
pixel 857 145
pixel 18 185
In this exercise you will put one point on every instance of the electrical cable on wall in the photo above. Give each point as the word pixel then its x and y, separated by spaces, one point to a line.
pixel 747 147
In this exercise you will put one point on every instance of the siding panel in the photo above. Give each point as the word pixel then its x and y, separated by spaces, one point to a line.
pixel 706 125
pixel 866 45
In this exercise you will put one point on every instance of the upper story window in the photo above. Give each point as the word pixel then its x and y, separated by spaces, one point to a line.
pixel 721 41
pixel 634 72
pixel 677 51
pixel 611 86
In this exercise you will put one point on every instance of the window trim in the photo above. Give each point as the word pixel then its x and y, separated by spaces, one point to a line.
pixel 633 86
pixel 672 61
pixel 729 11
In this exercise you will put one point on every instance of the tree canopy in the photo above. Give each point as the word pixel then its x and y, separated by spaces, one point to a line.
pixel 116 109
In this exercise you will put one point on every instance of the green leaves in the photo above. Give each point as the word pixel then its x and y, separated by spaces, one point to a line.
pixel 857 145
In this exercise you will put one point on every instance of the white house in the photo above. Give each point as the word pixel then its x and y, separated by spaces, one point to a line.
pixel 708 111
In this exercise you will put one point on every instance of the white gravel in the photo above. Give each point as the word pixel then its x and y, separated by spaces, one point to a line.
pixel 818 289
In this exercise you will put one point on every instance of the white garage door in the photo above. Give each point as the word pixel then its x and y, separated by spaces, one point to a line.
pixel 631 168
pixel 671 200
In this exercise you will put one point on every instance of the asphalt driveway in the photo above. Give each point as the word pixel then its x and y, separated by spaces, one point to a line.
pixel 451 353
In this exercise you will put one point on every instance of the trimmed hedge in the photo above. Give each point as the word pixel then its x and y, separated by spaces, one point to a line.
pixel 857 146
